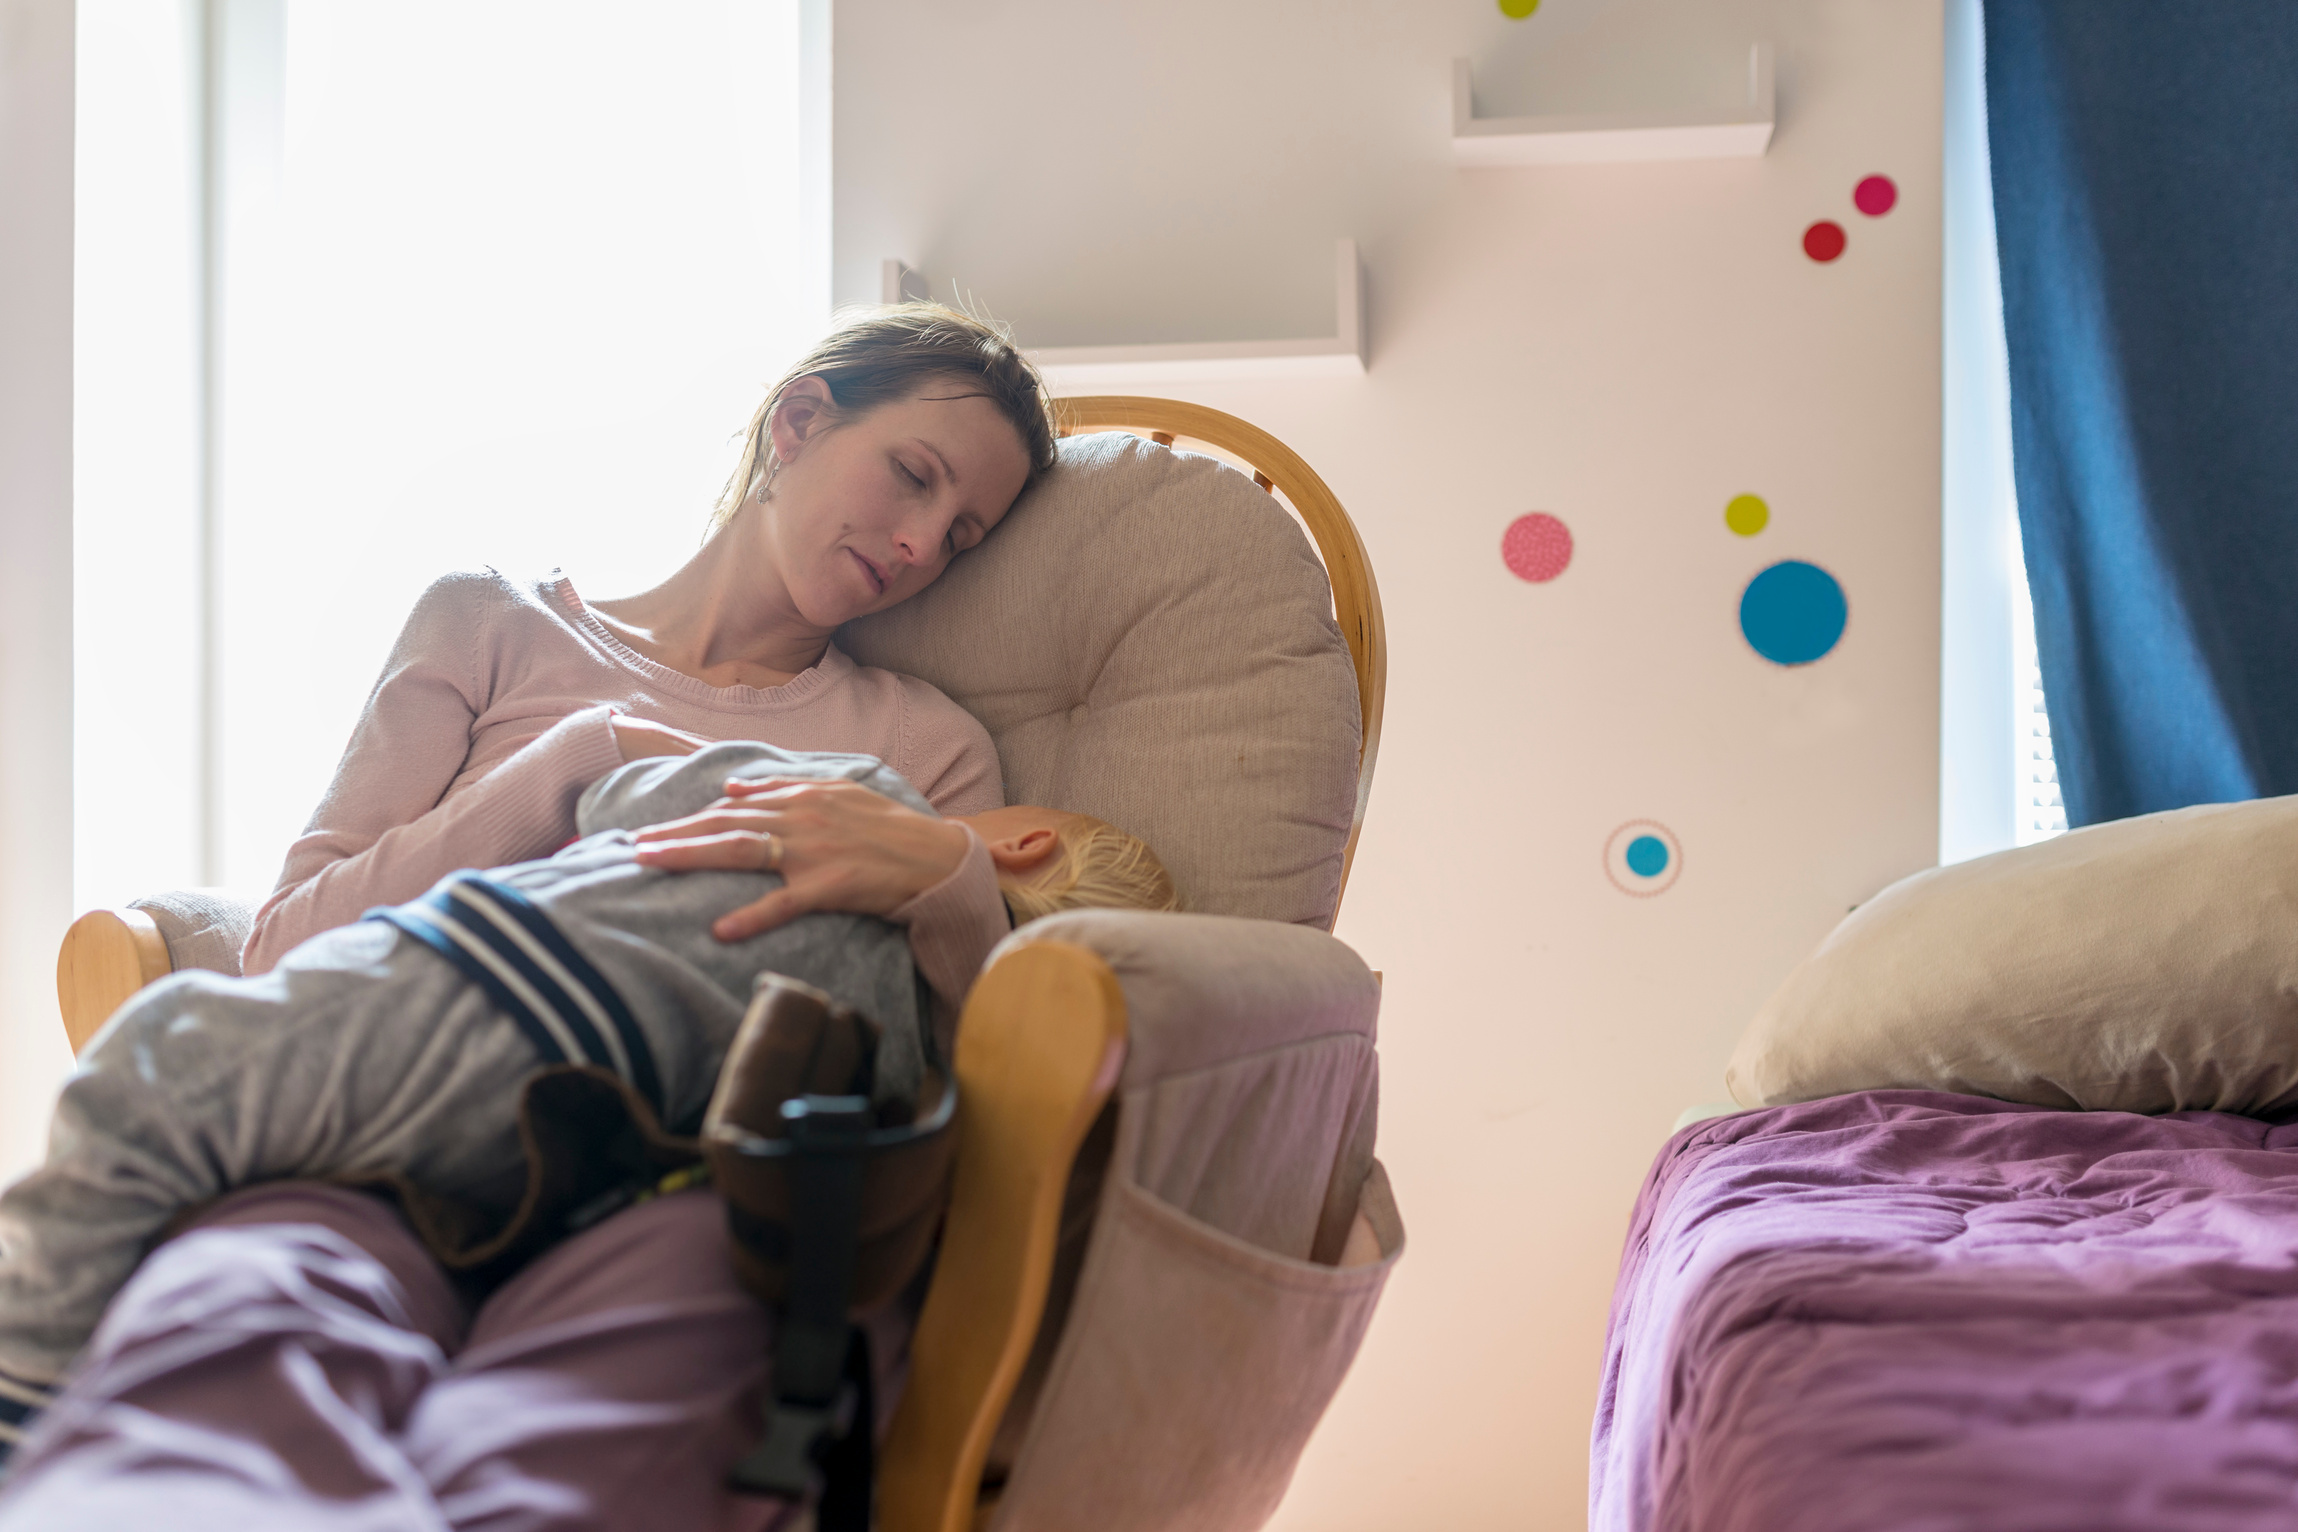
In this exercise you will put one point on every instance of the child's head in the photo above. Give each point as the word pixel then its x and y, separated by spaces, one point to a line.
pixel 1048 860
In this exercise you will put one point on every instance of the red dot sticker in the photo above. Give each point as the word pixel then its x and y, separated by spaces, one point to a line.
pixel 1875 196
pixel 1537 547
pixel 1824 240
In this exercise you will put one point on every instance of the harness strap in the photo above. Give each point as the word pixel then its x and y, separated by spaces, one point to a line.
pixel 822 1420
pixel 504 943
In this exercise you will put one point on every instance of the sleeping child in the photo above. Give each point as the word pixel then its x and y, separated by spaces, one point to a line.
pixel 399 1045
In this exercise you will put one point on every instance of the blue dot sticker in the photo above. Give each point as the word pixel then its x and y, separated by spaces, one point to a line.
pixel 1793 613
pixel 1643 858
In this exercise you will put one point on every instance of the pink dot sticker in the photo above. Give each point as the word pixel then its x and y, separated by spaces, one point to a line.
pixel 1824 240
pixel 1537 547
pixel 1875 196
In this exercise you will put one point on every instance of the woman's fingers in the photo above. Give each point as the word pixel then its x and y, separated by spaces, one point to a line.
pixel 738 788
pixel 839 845
pixel 780 907
pixel 735 850
pixel 711 821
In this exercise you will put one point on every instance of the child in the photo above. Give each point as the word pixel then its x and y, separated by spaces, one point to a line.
pixel 399 1044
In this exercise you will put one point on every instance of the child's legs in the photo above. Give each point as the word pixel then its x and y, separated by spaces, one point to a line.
pixel 363 1051
pixel 254 1374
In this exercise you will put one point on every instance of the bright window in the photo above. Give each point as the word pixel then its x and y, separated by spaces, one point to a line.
pixel 2034 770
pixel 486 282
pixel 1998 782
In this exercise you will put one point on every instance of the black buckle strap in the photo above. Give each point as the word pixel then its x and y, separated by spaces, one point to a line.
pixel 821 1418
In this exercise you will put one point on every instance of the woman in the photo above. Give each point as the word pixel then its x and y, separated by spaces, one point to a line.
pixel 296 1358
pixel 897 444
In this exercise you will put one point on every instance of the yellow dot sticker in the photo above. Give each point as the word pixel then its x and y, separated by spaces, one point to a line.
pixel 1747 515
pixel 1517 10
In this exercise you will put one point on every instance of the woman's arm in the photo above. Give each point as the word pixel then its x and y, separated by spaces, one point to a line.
pixel 953 923
pixel 381 834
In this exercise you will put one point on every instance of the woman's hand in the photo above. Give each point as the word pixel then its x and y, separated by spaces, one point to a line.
pixel 638 738
pixel 838 846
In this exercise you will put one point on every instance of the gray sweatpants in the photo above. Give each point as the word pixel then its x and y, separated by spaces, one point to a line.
pixel 365 1050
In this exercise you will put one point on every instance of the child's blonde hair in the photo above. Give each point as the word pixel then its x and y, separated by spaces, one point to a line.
pixel 1098 867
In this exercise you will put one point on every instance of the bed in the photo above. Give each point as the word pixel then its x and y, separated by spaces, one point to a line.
pixel 1894 1310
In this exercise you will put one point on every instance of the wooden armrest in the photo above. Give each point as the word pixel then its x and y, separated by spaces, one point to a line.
pixel 107 956
pixel 1038 1053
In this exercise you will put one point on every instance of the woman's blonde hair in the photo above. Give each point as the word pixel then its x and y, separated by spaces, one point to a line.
pixel 875 356
pixel 1098 867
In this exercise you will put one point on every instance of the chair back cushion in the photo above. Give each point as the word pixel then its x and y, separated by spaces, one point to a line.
pixel 1149 638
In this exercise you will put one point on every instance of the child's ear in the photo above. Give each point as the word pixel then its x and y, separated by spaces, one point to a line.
pixel 1026 852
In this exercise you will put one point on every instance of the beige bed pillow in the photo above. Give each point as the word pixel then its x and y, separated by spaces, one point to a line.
pixel 2147 965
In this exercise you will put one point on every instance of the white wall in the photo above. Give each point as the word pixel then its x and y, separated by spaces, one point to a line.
pixel 35 560
pixel 1624 347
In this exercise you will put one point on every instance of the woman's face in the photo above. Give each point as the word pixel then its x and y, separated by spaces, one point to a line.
pixel 868 512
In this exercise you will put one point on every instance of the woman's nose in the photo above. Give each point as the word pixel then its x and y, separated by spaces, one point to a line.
pixel 917 539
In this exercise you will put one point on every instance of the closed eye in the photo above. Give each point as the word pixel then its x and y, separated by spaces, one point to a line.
pixel 904 470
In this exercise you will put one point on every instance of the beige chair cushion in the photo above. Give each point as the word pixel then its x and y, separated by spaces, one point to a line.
pixel 2147 965
pixel 1149 638
pixel 203 927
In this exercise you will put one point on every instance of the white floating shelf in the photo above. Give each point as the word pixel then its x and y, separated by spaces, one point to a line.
pixel 1074 368
pixel 1591 138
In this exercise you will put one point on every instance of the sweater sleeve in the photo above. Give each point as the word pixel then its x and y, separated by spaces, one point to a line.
pixel 946 753
pixel 951 759
pixel 952 927
pixel 381 835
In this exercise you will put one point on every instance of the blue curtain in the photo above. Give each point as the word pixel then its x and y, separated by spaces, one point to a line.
pixel 2146 208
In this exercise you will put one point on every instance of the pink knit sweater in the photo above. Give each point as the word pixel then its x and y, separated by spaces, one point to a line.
pixel 491 717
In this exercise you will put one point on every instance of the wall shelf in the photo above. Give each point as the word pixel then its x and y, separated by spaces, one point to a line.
pixel 1591 138
pixel 1085 368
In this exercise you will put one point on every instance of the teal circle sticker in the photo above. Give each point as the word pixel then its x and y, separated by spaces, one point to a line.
pixel 1643 858
pixel 1793 613
pixel 1647 856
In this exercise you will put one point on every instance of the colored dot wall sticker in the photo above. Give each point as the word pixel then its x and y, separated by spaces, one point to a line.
pixel 1747 514
pixel 1875 196
pixel 1824 240
pixel 1537 547
pixel 1793 612
pixel 1517 10
pixel 1643 858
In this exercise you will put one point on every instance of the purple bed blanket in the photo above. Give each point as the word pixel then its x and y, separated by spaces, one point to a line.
pixel 1901 1310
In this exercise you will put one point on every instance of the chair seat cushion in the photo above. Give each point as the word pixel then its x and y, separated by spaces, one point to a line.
pixel 1149 638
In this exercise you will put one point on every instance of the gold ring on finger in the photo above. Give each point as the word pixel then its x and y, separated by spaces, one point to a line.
pixel 773 852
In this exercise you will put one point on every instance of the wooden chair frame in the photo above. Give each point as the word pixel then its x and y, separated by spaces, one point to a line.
pixel 1038 1055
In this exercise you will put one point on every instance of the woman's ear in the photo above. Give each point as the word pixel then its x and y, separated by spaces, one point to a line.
pixel 801 413
pixel 1026 852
